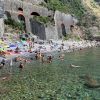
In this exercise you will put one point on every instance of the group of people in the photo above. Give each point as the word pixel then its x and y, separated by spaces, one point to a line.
pixel 41 57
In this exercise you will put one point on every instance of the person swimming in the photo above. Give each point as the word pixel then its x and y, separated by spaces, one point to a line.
pixel 49 59
pixel 74 66
pixel 21 66
pixel 61 57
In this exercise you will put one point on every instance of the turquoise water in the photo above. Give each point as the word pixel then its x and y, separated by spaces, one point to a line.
pixel 55 81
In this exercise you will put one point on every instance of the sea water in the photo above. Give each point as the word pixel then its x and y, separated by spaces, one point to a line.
pixel 54 81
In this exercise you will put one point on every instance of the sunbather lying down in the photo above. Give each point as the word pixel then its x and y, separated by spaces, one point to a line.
pixel 71 65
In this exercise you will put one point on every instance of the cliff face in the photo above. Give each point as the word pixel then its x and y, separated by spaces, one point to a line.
pixel 26 10
pixel 34 1
pixel 93 9
pixel 61 12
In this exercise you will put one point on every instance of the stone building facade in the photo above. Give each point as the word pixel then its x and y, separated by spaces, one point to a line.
pixel 26 9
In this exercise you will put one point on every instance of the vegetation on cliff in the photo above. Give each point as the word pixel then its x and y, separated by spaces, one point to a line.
pixel 77 9
pixel 15 25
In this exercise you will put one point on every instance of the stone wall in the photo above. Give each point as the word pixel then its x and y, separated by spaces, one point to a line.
pixel 34 1
pixel 1 18
pixel 1 27
pixel 51 32
pixel 28 8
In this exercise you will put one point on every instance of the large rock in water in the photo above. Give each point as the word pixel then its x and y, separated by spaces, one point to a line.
pixel 90 82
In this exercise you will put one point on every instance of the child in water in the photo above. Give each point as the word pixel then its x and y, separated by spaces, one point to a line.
pixel 61 57
pixel 21 66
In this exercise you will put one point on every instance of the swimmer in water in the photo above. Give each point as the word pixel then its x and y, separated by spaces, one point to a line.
pixel 21 66
pixel 74 66
pixel 62 56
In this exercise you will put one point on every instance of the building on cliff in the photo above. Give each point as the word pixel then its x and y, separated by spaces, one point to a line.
pixel 25 10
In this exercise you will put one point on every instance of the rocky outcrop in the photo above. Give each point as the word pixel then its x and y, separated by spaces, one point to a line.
pixel 90 82
pixel 34 1
pixel 51 32
pixel 63 22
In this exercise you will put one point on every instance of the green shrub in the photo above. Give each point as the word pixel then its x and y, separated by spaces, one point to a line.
pixel 14 24
pixel 43 19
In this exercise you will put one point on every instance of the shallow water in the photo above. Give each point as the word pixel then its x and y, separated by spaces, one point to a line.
pixel 55 81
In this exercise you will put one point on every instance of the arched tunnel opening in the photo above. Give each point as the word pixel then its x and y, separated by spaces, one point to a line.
pixel 21 19
pixel 35 14
pixel 46 1
pixel 20 9
pixel 63 30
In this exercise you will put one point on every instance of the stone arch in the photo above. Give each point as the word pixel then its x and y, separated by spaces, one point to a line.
pixel 21 19
pixel 7 15
pixel 35 14
pixel 20 9
pixel 63 29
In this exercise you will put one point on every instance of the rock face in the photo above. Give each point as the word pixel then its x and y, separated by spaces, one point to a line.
pixel 24 10
pixel 34 1
pixel 51 32
pixel 63 23
pixel 94 30
pixel 1 26
pixel 90 82
pixel 1 18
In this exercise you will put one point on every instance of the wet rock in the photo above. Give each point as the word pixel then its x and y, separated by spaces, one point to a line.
pixel 90 82
pixel 4 90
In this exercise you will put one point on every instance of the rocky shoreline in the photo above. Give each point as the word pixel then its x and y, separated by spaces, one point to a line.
pixel 55 46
